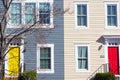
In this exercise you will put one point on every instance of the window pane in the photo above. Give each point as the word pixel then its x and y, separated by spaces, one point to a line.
pixel 15 18
pixel 109 21
pixel 45 64
pixel 84 52
pixel 114 10
pixel 82 64
pixel 112 15
pixel 45 53
pixel 112 20
pixel 15 15
pixel 79 64
pixel 81 9
pixel 82 20
pixel 45 18
pixel 44 6
pixel 109 10
pixel 45 58
pixel 79 52
pixel 30 18
pixel 82 57
pixel 82 15
pixel 84 10
pixel 79 21
pixel 30 8
pixel 15 8
pixel 30 13
pixel 78 9
pixel 44 13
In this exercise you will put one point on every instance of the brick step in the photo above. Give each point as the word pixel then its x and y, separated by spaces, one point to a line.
pixel 11 78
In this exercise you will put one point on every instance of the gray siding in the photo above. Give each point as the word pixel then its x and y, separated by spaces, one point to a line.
pixel 1 9
pixel 56 37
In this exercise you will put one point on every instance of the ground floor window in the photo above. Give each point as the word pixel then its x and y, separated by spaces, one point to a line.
pixel 45 58
pixel 82 52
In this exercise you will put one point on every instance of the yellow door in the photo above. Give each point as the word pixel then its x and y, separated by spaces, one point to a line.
pixel 14 61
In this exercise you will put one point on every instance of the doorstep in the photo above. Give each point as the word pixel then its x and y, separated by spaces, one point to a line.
pixel 117 77
pixel 11 78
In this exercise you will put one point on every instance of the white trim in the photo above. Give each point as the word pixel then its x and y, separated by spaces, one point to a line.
pixel 81 27
pixel 52 58
pixel 22 55
pixel 76 57
pixel 51 25
pixel 107 41
pixel 111 27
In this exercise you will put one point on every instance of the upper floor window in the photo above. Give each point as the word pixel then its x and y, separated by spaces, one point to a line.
pixel 81 15
pixel 111 15
pixel 44 13
pixel 15 17
pixel 31 12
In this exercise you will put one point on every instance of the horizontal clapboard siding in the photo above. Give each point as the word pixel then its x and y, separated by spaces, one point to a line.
pixel 56 37
pixel 96 29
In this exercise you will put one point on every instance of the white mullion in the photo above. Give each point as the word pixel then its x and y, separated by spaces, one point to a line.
pixel 23 12
pixel 37 11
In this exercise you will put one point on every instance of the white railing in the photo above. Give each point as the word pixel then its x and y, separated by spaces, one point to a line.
pixel 102 68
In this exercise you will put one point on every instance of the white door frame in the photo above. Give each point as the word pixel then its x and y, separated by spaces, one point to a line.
pixel 21 58
pixel 114 42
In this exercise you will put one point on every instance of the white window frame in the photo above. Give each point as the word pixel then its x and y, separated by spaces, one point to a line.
pixel 52 58
pixel 111 27
pixel 87 5
pixel 20 13
pixel 51 25
pixel 76 57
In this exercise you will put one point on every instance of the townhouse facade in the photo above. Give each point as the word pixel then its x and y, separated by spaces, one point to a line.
pixel 91 38
pixel 41 50
pixel 82 41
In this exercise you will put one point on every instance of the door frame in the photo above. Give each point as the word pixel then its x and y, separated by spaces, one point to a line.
pixel 111 42
pixel 21 58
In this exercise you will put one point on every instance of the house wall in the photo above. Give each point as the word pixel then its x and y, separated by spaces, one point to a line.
pixel 53 36
pixel 91 36
pixel 65 36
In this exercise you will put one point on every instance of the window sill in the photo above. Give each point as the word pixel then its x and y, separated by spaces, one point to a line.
pixel 81 27
pixel 44 26
pixel 82 70
pixel 45 71
pixel 111 27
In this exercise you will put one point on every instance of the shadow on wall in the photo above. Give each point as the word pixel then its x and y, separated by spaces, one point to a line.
pixel 101 40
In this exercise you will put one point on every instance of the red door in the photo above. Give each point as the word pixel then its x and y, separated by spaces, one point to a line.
pixel 113 59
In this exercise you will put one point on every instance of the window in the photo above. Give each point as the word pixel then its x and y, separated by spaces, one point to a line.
pixel 82 55
pixel 45 58
pixel 44 13
pixel 29 12
pixel 81 15
pixel 15 17
pixel 111 15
